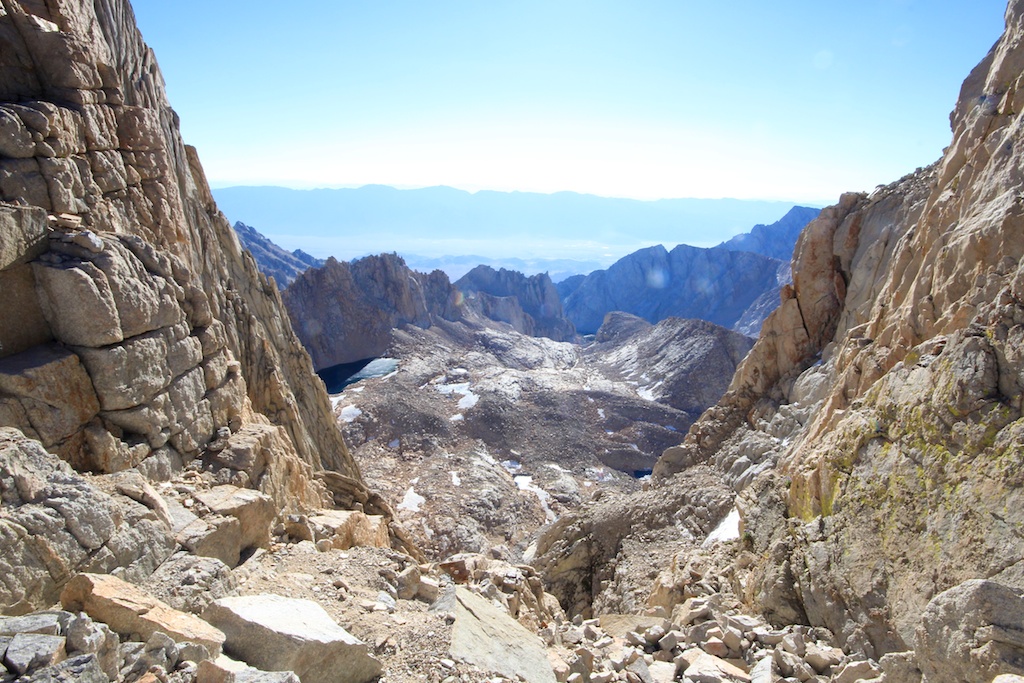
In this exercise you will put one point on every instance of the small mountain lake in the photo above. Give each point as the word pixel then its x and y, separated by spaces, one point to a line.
pixel 337 377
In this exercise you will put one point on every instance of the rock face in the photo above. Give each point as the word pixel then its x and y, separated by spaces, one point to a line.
pixel 776 240
pixel 272 260
pixel 530 304
pixel 134 330
pixel 345 312
pixel 887 389
pixel 717 285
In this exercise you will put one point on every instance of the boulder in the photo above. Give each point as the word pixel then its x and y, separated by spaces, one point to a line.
pixel 487 637
pixel 348 528
pixel 704 668
pixel 274 633
pixel 189 583
pixel 254 510
pixel 30 651
pixel 128 609
pixel 971 633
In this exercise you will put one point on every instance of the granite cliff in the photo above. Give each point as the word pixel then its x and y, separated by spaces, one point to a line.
pixel 735 284
pixel 136 333
pixel 530 304
pixel 717 285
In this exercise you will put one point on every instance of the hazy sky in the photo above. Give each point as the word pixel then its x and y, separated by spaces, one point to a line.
pixel 795 100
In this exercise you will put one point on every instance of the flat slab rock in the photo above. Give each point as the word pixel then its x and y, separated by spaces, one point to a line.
pixel 275 633
pixel 704 668
pixel 487 637
pixel 127 609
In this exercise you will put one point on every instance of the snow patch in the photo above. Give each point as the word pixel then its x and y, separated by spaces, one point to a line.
pixel 456 481
pixel 600 413
pixel 646 394
pixel 468 400
pixel 556 467
pixel 350 413
pixel 457 417
pixel 727 530
pixel 411 501
pixel 524 482
pixel 512 466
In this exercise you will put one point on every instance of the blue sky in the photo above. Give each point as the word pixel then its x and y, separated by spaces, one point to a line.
pixel 794 100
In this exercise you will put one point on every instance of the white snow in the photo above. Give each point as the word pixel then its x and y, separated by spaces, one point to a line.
pixel 457 417
pixel 336 399
pixel 727 530
pixel 525 483
pixel 456 481
pixel 468 400
pixel 460 388
pixel 350 413
pixel 411 501
pixel 556 467
pixel 600 413
pixel 512 465
pixel 645 393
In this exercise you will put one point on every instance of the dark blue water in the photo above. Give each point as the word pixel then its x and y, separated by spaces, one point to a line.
pixel 337 377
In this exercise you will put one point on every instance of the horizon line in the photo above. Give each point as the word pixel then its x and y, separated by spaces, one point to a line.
pixel 815 203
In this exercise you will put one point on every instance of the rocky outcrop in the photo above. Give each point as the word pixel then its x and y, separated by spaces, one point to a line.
pixel 56 524
pixel 887 390
pixel 345 312
pixel 272 260
pixel 135 330
pixel 717 285
pixel 776 240
pixel 530 304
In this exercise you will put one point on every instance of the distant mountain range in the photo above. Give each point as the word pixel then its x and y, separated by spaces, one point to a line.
pixel 725 285
pixel 433 222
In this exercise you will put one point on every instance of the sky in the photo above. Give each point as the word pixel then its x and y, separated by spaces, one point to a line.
pixel 796 100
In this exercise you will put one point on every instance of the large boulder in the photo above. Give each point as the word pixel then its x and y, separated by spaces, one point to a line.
pixel 127 609
pixel 972 633
pixel 489 638
pixel 274 633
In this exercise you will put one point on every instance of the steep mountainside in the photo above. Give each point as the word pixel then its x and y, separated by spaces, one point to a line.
pixel 776 240
pixel 717 285
pixel 272 260
pixel 506 295
pixel 134 330
pixel 878 417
